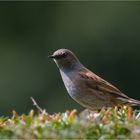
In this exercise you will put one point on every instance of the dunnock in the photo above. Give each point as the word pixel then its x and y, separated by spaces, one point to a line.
pixel 85 87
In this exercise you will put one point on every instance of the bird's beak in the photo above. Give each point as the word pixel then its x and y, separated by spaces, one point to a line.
pixel 51 56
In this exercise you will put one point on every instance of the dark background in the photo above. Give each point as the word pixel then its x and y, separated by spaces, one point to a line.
pixel 104 35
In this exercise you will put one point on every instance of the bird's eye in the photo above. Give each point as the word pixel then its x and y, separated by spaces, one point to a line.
pixel 64 55
pixel 60 56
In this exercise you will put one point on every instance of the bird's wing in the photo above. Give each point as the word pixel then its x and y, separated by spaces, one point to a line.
pixel 96 82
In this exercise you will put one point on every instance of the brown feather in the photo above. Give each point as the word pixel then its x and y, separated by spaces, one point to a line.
pixel 100 84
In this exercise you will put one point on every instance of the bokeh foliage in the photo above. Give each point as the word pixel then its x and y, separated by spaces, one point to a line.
pixel 104 35
pixel 109 124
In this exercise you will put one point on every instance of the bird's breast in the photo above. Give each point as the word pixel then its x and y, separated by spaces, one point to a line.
pixel 70 84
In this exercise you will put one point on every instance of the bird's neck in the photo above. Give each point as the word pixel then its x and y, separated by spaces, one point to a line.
pixel 72 67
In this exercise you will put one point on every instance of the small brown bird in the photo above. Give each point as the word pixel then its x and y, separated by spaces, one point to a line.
pixel 85 87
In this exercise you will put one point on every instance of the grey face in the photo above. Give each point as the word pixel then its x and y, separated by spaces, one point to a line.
pixel 64 58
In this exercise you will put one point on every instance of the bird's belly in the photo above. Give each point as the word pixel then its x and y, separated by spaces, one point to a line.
pixel 90 99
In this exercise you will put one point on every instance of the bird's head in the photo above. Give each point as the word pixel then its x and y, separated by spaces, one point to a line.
pixel 64 59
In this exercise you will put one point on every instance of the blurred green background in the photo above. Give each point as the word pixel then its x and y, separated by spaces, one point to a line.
pixel 104 35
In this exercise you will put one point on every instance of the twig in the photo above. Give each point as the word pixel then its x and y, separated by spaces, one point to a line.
pixel 43 111
pixel 138 116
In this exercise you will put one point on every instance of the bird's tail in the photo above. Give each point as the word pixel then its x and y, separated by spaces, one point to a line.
pixel 134 102
pixel 130 101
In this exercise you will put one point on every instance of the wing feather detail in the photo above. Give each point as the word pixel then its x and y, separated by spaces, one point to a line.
pixel 97 83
